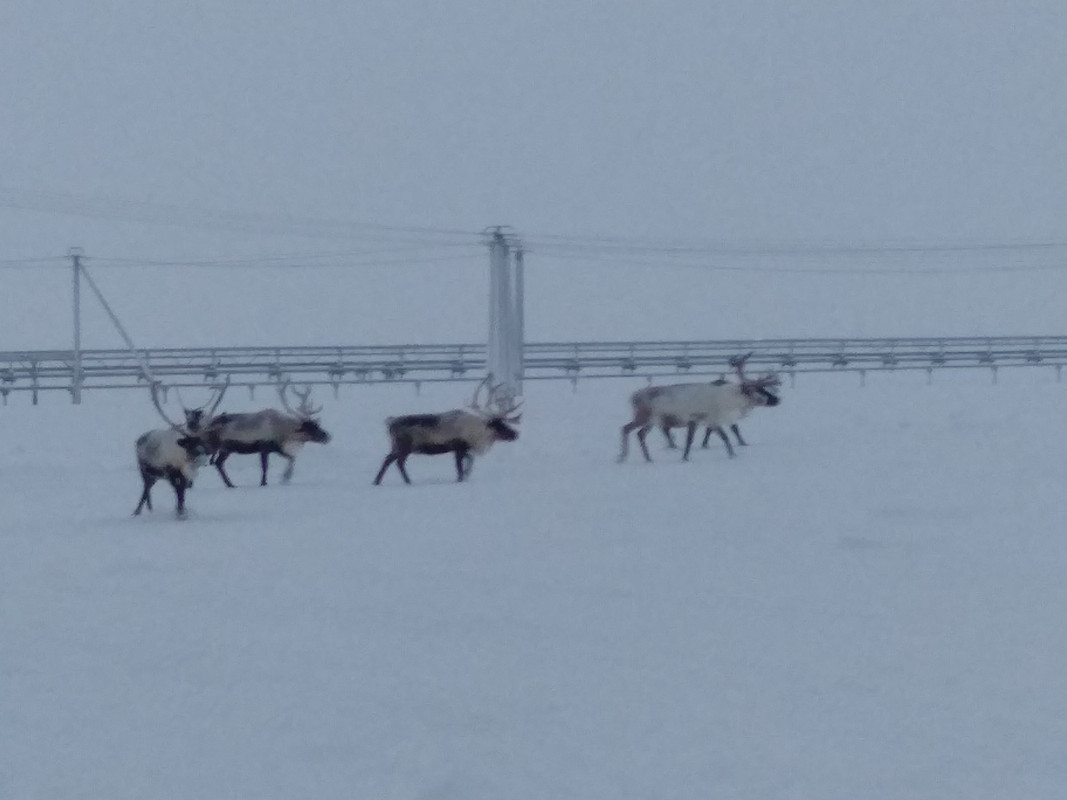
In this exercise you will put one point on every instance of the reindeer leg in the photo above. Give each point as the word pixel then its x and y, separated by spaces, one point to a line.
pixel 464 463
pixel 690 432
pixel 670 439
pixel 625 442
pixel 177 480
pixel 146 497
pixel 707 435
pixel 389 459
pixel 737 433
pixel 264 457
pixel 640 420
pixel 400 461
pixel 220 459
pixel 642 432
pixel 288 474
pixel 725 441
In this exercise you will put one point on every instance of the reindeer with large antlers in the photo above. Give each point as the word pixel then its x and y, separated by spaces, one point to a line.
pixel 464 432
pixel 716 405
pixel 268 431
pixel 175 452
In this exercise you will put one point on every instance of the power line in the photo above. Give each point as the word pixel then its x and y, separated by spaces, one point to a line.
pixel 414 245
pixel 184 216
pixel 864 270
pixel 676 248
pixel 317 227
pixel 359 260
pixel 20 263
pixel 283 263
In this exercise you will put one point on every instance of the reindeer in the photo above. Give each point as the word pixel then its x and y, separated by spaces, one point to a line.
pixel 707 431
pixel 267 431
pixel 176 452
pixel 464 432
pixel 716 405
pixel 738 363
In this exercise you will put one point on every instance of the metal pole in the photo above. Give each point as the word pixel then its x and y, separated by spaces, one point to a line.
pixel 76 381
pixel 519 338
pixel 497 360
pixel 118 326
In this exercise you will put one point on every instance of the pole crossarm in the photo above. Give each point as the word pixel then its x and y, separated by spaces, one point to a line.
pixel 44 370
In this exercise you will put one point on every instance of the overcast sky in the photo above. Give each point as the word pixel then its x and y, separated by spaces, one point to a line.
pixel 752 124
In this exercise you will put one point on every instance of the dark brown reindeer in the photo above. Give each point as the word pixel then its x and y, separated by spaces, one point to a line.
pixel 267 431
pixel 464 432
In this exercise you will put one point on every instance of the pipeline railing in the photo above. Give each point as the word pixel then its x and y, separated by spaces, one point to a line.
pixel 37 371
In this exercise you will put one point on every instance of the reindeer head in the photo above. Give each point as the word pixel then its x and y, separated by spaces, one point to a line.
pixel 197 419
pixel 758 390
pixel 498 403
pixel 501 411
pixel 304 413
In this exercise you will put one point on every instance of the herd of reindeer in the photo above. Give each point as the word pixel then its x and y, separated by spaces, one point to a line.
pixel 175 453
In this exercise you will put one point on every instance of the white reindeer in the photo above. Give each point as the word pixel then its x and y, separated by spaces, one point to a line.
pixel 717 405
pixel 174 453
pixel 464 432
pixel 707 431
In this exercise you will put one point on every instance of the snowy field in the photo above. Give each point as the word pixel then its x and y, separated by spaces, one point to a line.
pixel 868 602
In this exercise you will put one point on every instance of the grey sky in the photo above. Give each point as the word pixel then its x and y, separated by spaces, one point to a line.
pixel 723 123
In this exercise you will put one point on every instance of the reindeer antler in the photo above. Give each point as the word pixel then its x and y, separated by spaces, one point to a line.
pixel 153 389
pixel 766 381
pixel 220 393
pixel 477 391
pixel 217 392
pixel 496 403
pixel 304 407
pixel 762 382
pixel 282 387
pixel 504 404
pixel 738 363
pixel 510 410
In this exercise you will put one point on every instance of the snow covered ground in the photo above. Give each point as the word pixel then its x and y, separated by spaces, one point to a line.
pixel 868 602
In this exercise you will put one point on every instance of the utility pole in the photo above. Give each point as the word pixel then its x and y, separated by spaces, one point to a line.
pixel 81 272
pixel 76 383
pixel 504 351
pixel 519 305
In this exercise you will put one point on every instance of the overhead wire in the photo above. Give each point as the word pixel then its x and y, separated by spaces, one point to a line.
pixel 765 265
pixel 405 254
pixel 403 244
pixel 31 263
pixel 676 247
pixel 269 263
pixel 185 216
pixel 365 259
